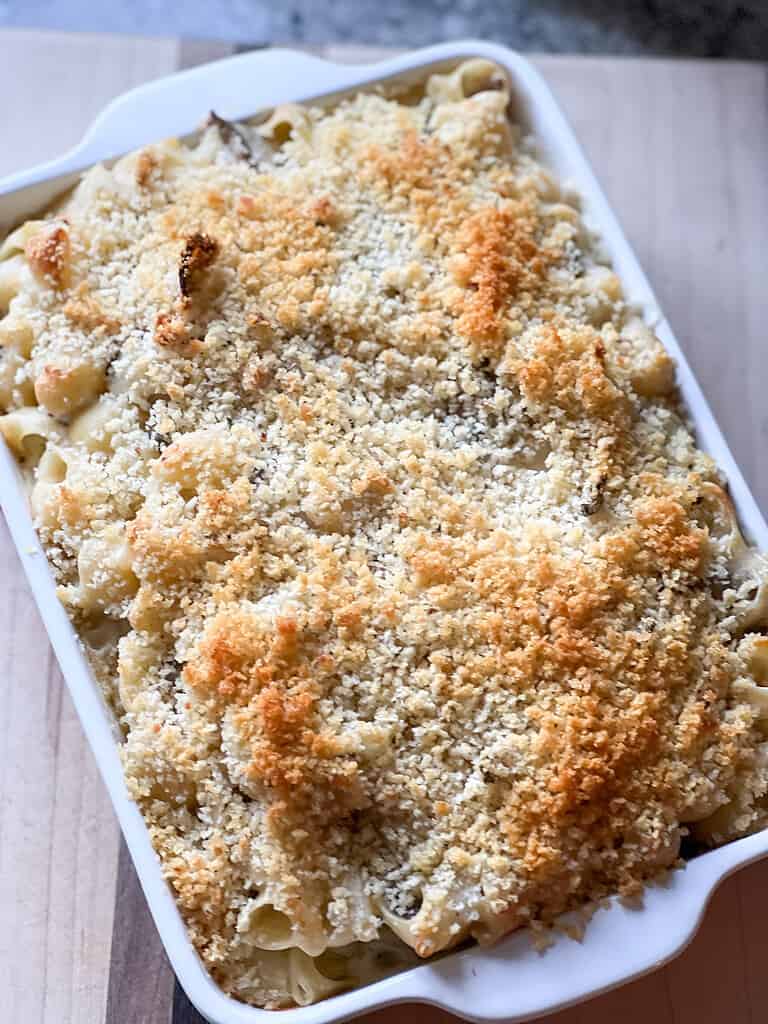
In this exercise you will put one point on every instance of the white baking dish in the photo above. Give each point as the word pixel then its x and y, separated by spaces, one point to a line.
pixel 511 981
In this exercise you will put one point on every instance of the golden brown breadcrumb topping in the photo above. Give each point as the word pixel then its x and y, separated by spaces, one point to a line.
pixel 417 606
pixel 48 253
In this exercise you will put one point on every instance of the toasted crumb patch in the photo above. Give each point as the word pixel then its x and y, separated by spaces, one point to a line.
pixel 198 254
pixel 499 260
pixel 49 254
pixel 146 165
pixel 171 330
pixel 84 312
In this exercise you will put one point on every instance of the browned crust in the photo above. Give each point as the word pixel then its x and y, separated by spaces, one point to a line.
pixel 268 678
pixel 500 259
pixel 198 254
pixel 49 253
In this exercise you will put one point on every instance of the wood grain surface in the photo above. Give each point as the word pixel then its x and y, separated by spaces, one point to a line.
pixel 682 150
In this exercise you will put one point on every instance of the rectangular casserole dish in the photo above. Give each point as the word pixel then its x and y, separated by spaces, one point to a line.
pixel 511 981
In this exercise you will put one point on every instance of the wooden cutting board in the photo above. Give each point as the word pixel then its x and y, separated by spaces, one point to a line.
pixel 682 150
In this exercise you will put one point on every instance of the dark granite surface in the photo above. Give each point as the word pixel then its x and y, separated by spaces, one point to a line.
pixel 669 27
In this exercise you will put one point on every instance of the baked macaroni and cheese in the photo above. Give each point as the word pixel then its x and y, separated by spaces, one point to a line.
pixel 421 615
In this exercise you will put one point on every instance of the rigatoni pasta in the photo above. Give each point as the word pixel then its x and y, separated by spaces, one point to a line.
pixel 420 613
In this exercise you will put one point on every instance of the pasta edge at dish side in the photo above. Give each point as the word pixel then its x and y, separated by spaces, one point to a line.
pixel 420 615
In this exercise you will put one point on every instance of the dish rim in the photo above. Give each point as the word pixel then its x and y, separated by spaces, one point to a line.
pixel 472 982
